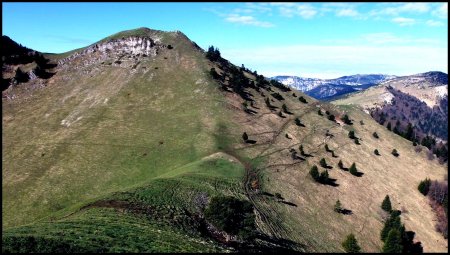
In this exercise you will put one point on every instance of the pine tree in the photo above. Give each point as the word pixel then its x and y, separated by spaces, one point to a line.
pixel 337 206
pixel 303 100
pixel 351 244
pixel 245 136
pixel 389 126
pixel 331 117
pixel 323 162
pixel 284 107
pixel 314 172
pixel 297 121
pixel 353 169
pixel 324 176
pixel 393 243
pixel 340 164
pixel 326 148
pixel 319 112
pixel 357 141
pixel 386 204
pixel 376 152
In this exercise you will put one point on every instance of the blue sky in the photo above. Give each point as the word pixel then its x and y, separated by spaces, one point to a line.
pixel 321 40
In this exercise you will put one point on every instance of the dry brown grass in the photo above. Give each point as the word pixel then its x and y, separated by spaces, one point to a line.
pixel 313 222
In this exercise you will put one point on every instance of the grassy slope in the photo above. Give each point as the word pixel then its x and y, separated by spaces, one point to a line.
pixel 313 222
pixel 116 123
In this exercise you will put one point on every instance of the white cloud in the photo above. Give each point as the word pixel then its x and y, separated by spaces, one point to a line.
pixel 306 11
pixel 441 11
pixel 247 20
pixel 404 21
pixel 347 13
pixel 289 10
pixel 434 23
pixel 327 60
pixel 398 9
pixel 415 7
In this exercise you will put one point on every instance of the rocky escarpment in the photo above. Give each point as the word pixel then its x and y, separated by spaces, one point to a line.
pixel 134 46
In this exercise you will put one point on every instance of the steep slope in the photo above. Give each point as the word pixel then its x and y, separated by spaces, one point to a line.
pixel 122 151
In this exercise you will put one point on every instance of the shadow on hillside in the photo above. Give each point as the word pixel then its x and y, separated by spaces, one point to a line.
pixel 331 182
pixel 250 141
pixel 307 155
pixel 288 203
pixel 359 174
pixel 250 111
pixel 346 212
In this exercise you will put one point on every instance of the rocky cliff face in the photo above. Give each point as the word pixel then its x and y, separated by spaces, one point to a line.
pixel 117 48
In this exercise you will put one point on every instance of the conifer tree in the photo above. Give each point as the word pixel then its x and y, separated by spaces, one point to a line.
pixel 353 169
pixel 389 126
pixel 376 152
pixel 375 135
pixel 340 164
pixel 314 172
pixel 319 112
pixel 393 243
pixel 351 244
pixel 324 176
pixel 323 162
pixel 386 204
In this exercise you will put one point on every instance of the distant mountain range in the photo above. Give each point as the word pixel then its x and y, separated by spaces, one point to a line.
pixel 326 89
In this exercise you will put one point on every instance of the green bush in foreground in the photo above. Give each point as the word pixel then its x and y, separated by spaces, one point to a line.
pixel 232 215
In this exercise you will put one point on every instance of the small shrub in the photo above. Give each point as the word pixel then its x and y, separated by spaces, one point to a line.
pixel 331 117
pixel 169 47
pixel 319 112
pixel 245 136
pixel 424 186
pixel 302 99
pixel 351 134
pixel 376 152
pixel 357 141
pixel 232 215
pixel 395 153
pixel 347 120
pixel 337 206
pixel 375 135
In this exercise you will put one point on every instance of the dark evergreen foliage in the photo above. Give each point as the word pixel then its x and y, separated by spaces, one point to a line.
pixel 386 204
pixel 351 244
pixel 232 215
pixel 424 186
